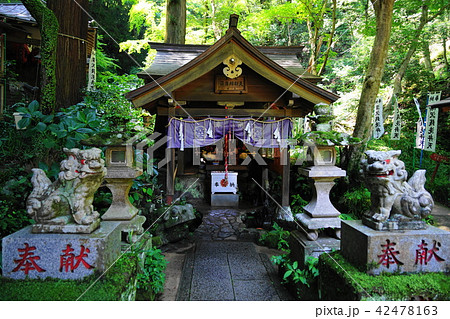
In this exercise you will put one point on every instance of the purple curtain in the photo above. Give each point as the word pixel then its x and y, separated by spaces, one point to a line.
pixel 189 133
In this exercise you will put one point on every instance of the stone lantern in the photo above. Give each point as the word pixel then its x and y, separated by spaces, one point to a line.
pixel 119 160
pixel 320 212
pixel 119 177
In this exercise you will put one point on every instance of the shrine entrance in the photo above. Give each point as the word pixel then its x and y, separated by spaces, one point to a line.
pixel 229 99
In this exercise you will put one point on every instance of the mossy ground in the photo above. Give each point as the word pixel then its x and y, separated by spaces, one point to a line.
pixel 339 280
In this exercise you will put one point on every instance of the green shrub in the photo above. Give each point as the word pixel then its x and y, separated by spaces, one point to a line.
pixel 276 238
pixel 356 203
pixel 151 276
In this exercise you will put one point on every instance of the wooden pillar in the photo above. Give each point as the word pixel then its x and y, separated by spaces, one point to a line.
pixel 285 166
pixel 265 181
pixel 180 159
pixel 170 178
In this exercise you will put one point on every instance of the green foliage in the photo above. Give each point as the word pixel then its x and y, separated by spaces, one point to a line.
pixel 151 276
pixel 297 204
pixel 356 202
pixel 109 100
pixel 275 238
pixel 64 129
pixel 301 276
pixel 12 219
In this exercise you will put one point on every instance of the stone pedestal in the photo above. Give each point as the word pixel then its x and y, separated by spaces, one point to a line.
pixel 320 212
pixel 399 251
pixel 224 200
pixel 301 247
pixel 63 256
pixel 119 181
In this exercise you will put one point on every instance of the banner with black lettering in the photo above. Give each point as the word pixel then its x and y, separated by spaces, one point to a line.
pixel 378 127
pixel 432 122
pixel 92 72
pixel 397 124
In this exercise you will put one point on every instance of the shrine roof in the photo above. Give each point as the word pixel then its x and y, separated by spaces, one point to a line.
pixel 16 11
pixel 170 57
pixel 231 44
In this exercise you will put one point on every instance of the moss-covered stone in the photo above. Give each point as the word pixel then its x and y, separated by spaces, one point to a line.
pixel 339 280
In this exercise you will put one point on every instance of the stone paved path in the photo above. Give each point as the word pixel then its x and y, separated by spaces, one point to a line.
pixel 220 224
pixel 229 270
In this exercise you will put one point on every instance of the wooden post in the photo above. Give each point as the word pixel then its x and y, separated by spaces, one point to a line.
pixel 285 165
pixel 180 159
pixel 170 177
pixel 265 181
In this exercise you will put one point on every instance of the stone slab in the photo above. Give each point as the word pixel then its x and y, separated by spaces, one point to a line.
pixel 63 256
pixel 392 224
pixel 318 223
pixel 225 200
pixel 301 247
pixel 211 283
pixel 254 290
pixel 399 251
pixel 247 267
pixel 72 228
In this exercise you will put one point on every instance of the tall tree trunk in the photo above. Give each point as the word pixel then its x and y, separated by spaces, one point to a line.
pixel 427 55
pixel 48 24
pixel 175 21
pixel 330 40
pixel 215 27
pixel 371 85
pixel 71 54
pixel 444 44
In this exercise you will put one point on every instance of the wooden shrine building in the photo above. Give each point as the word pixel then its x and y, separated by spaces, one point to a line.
pixel 228 89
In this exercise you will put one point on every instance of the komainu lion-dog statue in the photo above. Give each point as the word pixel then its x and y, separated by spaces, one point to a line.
pixel 68 199
pixel 392 196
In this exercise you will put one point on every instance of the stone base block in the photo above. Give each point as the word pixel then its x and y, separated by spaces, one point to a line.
pixel 301 247
pixel 63 256
pixel 65 229
pixel 133 228
pixel 400 251
pixel 225 200
pixel 394 224
pixel 317 223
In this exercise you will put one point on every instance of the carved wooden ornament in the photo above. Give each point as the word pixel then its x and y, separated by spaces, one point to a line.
pixel 232 69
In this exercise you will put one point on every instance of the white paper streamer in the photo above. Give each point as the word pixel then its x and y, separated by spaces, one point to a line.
pixel 181 136
pixel 277 134
pixel 209 132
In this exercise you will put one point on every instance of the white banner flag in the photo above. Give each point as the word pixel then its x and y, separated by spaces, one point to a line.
pixel 432 122
pixel 92 74
pixel 378 127
pixel 419 134
pixel 397 124
pixel 418 109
